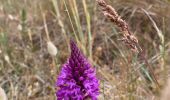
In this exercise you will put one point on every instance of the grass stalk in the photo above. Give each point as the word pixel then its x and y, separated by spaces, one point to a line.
pixel 88 20
pixel 60 22
pixel 70 21
pixel 76 17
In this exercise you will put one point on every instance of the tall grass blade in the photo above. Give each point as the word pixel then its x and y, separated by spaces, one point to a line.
pixel 88 20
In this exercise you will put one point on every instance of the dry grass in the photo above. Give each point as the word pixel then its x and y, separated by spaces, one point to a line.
pixel 166 91
pixel 28 71
pixel 128 38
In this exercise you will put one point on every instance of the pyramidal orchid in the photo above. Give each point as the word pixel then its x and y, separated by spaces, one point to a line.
pixel 77 79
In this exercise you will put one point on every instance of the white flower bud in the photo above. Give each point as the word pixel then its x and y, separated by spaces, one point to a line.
pixel 2 94
pixel 19 27
pixel 6 57
pixel 52 50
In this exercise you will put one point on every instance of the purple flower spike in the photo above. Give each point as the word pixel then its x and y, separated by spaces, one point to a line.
pixel 77 80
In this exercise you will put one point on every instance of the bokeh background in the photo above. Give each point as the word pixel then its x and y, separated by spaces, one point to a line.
pixel 29 72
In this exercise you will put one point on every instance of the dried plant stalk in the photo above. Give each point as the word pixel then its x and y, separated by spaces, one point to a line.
pixel 128 38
